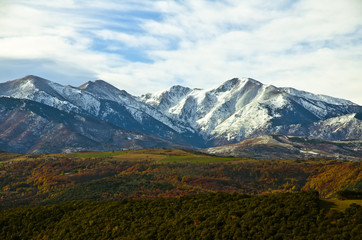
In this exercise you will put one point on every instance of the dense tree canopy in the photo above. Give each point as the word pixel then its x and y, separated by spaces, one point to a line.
pixel 201 216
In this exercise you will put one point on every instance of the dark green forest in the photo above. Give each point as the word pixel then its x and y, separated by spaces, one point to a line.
pixel 219 215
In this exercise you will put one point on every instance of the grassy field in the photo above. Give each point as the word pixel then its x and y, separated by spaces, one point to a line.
pixel 138 156
pixel 339 205
pixel 96 154
pixel 157 155
pixel 196 159
pixel 4 156
pixel 142 154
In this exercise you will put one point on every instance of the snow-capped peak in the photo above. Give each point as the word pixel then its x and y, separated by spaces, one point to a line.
pixel 103 90
pixel 97 99
pixel 32 78
pixel 239 108
pixel 167 98
pixel 97 83
pixel 228 85
pixel 317 97
pixel 236 83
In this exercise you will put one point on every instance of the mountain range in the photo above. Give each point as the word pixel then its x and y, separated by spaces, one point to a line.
pixel 38 115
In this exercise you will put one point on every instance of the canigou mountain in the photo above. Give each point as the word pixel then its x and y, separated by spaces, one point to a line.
pixel 180 116
pixel 243 108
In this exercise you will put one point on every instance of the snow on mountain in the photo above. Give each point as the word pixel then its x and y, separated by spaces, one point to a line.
pixel 98 99
pixel 317 97
pixel 347 126
pixel 166 99
pixel 77 97
pixel 104 90
pixel 319 105
pixel 30 127
pixel 138 109
pixel 235 110
pixel 232 109
pixel 50 93
pixel 242 108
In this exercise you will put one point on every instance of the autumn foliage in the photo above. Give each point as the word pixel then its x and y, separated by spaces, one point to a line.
pixel 162 173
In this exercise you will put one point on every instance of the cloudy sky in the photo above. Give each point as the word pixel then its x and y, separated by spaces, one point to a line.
pixel 146 46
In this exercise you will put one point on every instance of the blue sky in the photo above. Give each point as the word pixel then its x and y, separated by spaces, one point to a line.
pixel 145 46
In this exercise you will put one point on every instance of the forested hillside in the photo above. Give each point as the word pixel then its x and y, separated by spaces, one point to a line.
pixel 204 216
pixel 27 180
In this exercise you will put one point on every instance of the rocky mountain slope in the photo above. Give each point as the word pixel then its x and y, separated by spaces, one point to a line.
pixel 235 110
pixel 280 146
pixel 102 101
pixel 30 127
pixel 244 108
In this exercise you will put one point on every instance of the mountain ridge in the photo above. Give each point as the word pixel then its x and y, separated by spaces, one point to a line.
pixel 31 127
pixel 240 108
pixel 106 103
pixel 235 110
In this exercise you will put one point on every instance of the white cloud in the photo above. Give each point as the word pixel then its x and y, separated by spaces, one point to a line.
pixel 131 40
pixel 310 45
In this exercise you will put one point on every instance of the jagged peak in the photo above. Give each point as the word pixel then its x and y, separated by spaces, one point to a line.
pixel 103 89
pixel 175 89
pixel 30 82
pixel 32 78
pixel 179 87
pixel 229 84
pixel 252 80
pixel 235 82
pixel 318 97
pixel 96 83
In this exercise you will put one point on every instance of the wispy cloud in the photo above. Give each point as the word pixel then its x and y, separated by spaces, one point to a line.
pixel 311 45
